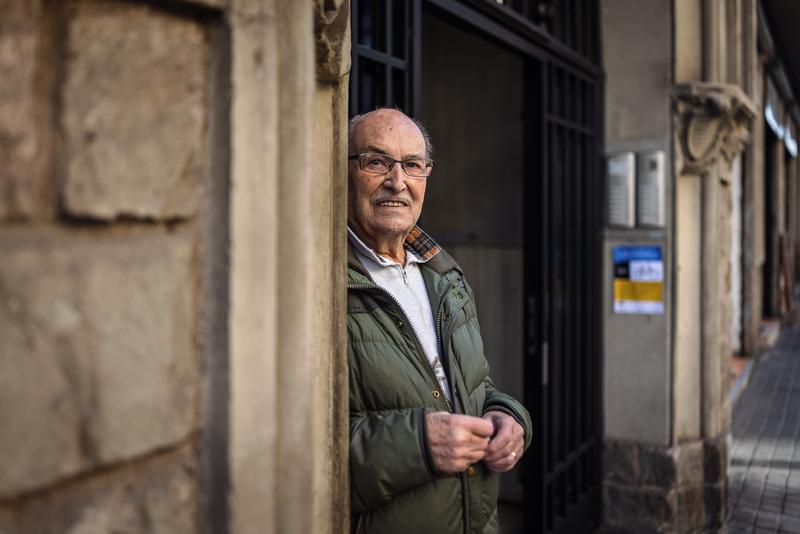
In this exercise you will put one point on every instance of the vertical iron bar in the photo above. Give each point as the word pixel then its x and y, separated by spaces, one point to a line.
pixel 534 265
pixel 595 30
pixel 415 72
pixel 569 311
pixel 388 16
pixel 581 257
pixel 388 72
pixel 545 307
pixel 388 93
pixel 599 186
pixel 410 74
pixel 558 355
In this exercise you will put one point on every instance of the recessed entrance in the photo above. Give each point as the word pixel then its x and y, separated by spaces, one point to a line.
pixel 472 103
pixel 512 95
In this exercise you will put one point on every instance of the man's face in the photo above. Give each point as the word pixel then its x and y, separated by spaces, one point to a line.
pixel 385 206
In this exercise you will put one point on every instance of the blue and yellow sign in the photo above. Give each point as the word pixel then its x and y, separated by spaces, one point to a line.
pixel 638 279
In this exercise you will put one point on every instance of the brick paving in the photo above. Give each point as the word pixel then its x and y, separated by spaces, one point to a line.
pixel 764 475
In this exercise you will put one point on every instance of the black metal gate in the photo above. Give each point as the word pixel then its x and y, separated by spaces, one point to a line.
pixel 564 334
pixel 386 47
pixel 563 219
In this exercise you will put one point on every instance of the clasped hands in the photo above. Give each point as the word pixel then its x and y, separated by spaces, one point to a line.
pixel 457 441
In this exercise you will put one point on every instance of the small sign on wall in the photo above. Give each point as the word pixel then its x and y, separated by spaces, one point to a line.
pixel 638 279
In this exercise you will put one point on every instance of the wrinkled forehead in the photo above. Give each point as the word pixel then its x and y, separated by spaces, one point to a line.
pixel 390 132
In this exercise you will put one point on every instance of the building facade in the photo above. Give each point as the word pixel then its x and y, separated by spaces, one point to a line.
pixel 694 82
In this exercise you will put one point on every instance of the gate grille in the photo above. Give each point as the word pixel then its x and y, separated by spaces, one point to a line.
pixel 385 55
pixel 570 394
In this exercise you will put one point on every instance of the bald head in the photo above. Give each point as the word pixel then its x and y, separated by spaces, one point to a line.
pixel 388 117
pixel 384 206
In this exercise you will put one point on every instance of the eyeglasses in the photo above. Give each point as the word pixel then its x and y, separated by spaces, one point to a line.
pixel 377 163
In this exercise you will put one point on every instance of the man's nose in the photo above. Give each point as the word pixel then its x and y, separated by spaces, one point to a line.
pixel 396 178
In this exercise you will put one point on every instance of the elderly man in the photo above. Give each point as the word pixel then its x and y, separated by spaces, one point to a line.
pixel 428 429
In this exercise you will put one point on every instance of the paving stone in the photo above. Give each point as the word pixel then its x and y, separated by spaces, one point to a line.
pixel 764 477
pixel 99 358
pixel 134 116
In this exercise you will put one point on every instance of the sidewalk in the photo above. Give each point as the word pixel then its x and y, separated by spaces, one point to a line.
pixel 764 475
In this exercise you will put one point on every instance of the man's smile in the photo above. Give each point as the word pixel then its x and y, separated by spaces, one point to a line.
pixel 393 203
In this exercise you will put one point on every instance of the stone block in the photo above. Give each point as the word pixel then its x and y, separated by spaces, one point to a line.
pixel 691 513
pixel 635 509
pixel 24 110
pixel 689 464
pixel 657 466
pixel 215 4
pixel 99 359
pixel 715 500
pixel 134 113
pixel 159 496
pixel 621 462
pixel 715 461
pixel 649 488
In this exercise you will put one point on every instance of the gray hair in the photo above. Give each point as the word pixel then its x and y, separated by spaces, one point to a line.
pixel 424 131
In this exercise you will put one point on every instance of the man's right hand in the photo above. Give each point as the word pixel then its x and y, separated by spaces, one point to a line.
pixel 456 441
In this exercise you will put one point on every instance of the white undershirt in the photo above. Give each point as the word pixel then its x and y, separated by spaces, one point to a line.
pixel 406 285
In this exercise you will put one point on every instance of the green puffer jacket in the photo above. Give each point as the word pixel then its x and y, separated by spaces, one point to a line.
pixel 394 486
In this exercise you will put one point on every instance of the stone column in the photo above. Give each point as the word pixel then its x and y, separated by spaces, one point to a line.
pixel 331 423
pixel 712 123
pixel 289 438
pixel 753 243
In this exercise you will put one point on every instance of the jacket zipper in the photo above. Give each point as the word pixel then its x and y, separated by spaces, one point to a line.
pixel 416 337
pixel 439 310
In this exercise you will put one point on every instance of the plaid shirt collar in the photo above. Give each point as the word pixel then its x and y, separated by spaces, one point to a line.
pixel 420 246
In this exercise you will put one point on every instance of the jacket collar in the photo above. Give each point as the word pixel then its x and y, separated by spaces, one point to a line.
pixel 422 245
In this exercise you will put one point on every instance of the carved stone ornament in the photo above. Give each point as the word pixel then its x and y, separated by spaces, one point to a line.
pixel 331 25
pixel 712 124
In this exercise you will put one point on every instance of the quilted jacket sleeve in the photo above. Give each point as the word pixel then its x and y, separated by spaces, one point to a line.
pixel 388 452
pixel 496 400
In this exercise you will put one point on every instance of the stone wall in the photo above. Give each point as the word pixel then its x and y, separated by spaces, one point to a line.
pixel 105 157
pixel 652 489
pixel 157 197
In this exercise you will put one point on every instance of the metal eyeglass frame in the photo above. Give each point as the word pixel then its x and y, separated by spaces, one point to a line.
pixel 360 158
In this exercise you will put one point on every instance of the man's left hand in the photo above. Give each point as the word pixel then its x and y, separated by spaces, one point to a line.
pixel 507 444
